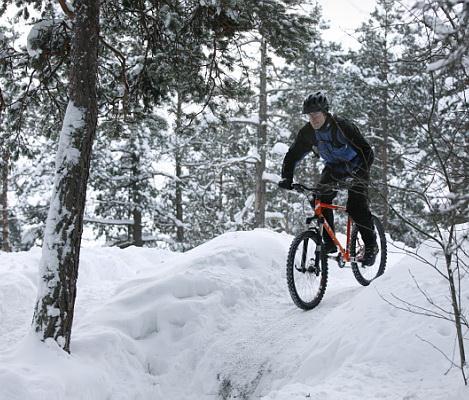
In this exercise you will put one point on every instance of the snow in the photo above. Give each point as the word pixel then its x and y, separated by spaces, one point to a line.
pixel 251 158
pixel 280 149
pixel 274 178
pixel 254 120
pixel 436 65
pixel 34 34
pixel 254 153
pixel 274 215
pixel 109 221
pixel 247 205
pixel 74 119
pixel 217 322
pixel 67 156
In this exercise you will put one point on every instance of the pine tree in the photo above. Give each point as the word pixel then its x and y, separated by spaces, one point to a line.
pixel 292 34
pixel 385 91
pixel 11 69
pixel 53 315
pixel 122 176
pixel 33 90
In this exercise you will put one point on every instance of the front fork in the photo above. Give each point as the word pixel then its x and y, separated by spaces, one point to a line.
pixel 317 258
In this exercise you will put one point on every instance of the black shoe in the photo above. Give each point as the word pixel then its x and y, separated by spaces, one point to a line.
pixel 369 257
pixel 329 247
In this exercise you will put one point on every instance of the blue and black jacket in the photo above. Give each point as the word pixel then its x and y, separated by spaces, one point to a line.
pixel 339 143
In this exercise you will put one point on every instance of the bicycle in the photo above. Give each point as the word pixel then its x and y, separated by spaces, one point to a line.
pixel 309 265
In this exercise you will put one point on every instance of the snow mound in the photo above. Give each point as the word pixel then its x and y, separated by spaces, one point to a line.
pixel 160 311
pixel 217 322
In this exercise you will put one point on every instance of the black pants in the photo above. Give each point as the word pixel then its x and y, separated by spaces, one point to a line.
pixel 357 202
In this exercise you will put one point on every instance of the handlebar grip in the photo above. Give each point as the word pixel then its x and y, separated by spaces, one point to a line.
pixel 298 187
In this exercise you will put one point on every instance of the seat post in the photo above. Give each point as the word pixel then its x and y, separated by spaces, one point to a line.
pixel 317 207
pixel 349 232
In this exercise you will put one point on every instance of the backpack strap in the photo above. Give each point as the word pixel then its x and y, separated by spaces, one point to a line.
pixel 335 126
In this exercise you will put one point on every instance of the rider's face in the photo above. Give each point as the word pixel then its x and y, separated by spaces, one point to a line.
pixel 317 119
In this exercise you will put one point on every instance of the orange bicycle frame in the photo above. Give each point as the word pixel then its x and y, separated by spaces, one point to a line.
pixel 318 207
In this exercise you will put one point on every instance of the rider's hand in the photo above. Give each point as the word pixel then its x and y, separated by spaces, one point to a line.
pixel 285 184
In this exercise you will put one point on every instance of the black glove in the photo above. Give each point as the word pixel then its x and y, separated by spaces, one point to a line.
pixel 285 184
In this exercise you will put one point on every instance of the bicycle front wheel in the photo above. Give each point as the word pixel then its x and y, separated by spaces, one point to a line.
pixel 306 270
pixel 366 274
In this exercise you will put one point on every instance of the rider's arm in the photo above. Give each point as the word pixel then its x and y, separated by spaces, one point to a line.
pixel 303 144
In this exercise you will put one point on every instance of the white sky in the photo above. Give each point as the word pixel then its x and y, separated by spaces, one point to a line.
pixel 344 16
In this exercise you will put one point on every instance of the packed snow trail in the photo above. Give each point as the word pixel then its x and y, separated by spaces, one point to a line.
pixel 217 322
pixel 263 346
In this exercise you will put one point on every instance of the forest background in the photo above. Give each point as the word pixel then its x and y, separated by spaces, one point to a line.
pixel 191 136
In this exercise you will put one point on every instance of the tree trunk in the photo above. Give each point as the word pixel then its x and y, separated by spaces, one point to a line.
pixel 385 153
pixel 137 228
pixel 53 314
pixel 457 316
pixel 178 160
pixel 220 194
pixel 135 197
pixel 260 201
pixel 385 160
pixel 4 202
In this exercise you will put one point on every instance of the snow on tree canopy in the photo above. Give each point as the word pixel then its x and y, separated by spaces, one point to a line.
pixel 33 39
pixel 271 177
pixel 280 149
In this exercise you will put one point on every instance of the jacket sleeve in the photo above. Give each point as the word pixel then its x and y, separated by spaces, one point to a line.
pixel 302 145
pixel 353 134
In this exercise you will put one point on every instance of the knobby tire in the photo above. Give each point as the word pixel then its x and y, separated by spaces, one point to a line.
pixel 366 274
pixel 308 240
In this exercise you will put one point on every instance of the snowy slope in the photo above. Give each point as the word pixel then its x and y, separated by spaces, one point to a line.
pixel 217 322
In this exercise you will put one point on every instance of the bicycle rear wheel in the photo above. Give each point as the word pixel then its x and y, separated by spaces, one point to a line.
pixel 366 274
pixel 306 270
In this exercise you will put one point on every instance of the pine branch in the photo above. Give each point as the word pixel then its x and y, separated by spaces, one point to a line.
pixel 66 9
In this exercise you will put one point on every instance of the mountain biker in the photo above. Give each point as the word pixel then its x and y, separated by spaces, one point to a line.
pixel 346 154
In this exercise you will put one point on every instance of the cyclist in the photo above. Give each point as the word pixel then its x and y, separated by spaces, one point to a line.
pixel 345 153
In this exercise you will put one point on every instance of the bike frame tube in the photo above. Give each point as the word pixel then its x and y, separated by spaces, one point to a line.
pixel 349 234
pixel 318 206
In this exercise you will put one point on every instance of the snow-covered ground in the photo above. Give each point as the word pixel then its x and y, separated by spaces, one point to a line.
pixel 217 323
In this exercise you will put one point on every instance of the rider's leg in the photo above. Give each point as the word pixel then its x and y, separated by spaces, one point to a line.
pixel 359 209
pixel 327 195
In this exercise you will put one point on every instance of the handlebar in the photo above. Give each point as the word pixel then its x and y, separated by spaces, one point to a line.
pixel 300 188
pixel 344 184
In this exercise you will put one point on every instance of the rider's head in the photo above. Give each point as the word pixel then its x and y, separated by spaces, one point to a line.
pixel 316 106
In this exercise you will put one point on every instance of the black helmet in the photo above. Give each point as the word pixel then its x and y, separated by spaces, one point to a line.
pixel 315 102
